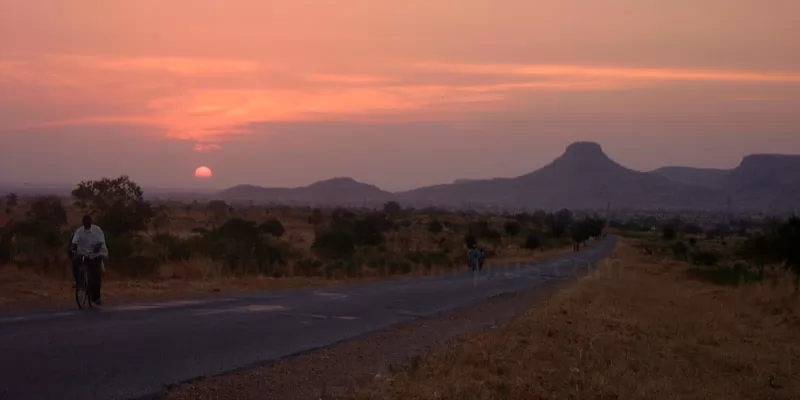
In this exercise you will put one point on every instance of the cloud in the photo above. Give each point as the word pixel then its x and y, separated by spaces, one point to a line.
pixel 614 72
pixel 346 78
pixel 215 99
pixel 170 65
pixel 206 147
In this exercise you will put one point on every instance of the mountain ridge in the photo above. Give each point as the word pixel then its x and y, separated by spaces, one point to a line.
pixel 583 176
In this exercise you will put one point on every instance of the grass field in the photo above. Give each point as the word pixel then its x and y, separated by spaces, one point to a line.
pixel 39 272
pixel 640 327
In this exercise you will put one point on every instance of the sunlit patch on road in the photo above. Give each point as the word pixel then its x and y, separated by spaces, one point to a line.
pixel 331 295
pixel 167 304
pixel 243 309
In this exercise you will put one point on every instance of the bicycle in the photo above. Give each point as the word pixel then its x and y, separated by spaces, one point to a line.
pixel 82 296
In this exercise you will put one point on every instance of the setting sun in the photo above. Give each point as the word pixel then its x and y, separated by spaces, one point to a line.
pixel 203 172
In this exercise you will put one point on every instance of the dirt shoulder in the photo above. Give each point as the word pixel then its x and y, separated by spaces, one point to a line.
pixel 639 328
pixel 339 369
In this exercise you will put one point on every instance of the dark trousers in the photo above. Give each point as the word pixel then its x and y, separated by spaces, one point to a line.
pixel 93 266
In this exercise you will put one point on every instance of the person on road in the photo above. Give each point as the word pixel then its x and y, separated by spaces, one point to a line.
pixel 475 258
pixel 90 242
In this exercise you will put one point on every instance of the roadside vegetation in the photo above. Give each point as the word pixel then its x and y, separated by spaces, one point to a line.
pixel 675 312
pixel 175 248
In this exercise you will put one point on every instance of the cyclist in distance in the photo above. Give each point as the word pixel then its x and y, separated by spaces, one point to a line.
pixel 90 242
pixel 475 257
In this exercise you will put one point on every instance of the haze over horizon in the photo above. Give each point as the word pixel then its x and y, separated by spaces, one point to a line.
pixel 395 94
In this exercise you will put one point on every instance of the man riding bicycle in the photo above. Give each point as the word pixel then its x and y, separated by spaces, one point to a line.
pixel 89 242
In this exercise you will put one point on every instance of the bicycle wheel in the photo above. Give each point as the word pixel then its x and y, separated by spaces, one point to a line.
pixel 82 289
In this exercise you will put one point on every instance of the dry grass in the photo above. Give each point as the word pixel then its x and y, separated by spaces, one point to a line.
pixel 638 328
pixel 37 285
pixel 24 287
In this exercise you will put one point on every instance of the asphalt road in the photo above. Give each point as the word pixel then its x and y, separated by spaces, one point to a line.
pixel 133 351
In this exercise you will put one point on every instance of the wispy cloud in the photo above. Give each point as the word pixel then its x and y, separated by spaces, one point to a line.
pixel 170 65
pixel 206 147
pixel 219 98
pixel 352 79
pixel 614 72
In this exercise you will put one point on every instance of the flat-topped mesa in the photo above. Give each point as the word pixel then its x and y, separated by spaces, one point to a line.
pixel 584 155
pixel 585 150
pixel 769 161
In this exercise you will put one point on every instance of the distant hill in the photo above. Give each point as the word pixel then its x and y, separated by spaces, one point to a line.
pixel 765 182
pixel 336 191
pixel 583 177
pixel 704 177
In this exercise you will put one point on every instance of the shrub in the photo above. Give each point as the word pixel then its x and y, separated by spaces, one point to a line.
pixel 272 227
pixel 532 242
pixel 707 258
pixel 680 249
pixel 693 229
pixel 512 228
pixel 669 232
pixel 392 208
pixel 435 227
pixel 334 244
pixel 470 240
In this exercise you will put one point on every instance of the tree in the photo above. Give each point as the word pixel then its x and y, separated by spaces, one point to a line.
pixel 219 210
pixel 435 227
pixel 564 217
pixel 693 229
pixel 512 228
pixel 272 227
pixel 532 242
pixel 392 208
pixel 669 232
pixel 316 218
pixel 161 219
pixel 119 204
pixel 40 231
pixel 762 250
pixel 11 202
pixel 334 245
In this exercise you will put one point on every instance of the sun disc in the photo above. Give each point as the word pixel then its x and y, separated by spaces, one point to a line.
pixel 203 172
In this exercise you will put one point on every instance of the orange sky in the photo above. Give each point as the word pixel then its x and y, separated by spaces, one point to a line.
pixel 399 94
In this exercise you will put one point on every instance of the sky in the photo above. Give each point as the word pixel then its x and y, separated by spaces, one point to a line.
pixel 400 94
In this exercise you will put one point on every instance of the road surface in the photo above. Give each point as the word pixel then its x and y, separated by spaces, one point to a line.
pixel 134 351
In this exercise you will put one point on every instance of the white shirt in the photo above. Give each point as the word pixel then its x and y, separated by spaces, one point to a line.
pixel 86 239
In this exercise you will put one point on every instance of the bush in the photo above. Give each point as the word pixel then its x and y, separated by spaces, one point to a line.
pixel 532 242
pixel 392 208
pixel 334 244
pixel 680 249
pixel 171 248
pixel 470 240
pixel 272 227
pixel 512 228
pixel 693 229
pixel 707 258
pixel 435 227
pixel 669 232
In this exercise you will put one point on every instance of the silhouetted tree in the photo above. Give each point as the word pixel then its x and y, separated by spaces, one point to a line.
pixel 119 203
pixel 272 227
pixel 392 208
pixel 11 202
pixel 435 227
pixel 512 228
pixel 669 232
pixel 532 241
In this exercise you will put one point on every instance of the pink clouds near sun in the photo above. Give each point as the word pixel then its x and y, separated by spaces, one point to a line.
pixel 203 172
